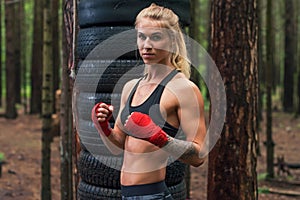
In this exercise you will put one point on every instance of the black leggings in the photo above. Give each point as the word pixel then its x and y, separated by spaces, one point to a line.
pixel 150 191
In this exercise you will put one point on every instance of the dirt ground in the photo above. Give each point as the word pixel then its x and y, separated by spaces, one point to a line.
pixel 20 141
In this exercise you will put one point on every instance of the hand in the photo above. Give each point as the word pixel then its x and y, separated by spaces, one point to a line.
pixel 141 126
pixel 101 113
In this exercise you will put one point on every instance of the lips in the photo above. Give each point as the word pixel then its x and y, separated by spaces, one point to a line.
pixel 148 55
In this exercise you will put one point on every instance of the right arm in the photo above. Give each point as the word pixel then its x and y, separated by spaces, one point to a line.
pixel 113 138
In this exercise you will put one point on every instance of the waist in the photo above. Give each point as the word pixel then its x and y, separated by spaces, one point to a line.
pixel 144 189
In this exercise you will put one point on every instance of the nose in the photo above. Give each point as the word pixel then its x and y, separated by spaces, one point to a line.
pixel 147 43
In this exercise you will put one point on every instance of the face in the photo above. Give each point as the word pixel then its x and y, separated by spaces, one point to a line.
pixel 153 42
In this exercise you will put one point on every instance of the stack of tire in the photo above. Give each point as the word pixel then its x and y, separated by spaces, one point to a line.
pixel 106 50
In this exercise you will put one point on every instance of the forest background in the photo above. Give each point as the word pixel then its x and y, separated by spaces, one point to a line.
pixel 29 54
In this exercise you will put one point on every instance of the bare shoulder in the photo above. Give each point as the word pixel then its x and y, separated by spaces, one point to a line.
pixel 129 85
pixel 180 84
pixel 127 88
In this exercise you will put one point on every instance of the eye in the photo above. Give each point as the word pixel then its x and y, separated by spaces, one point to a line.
pixel 141 36
pixel 156 37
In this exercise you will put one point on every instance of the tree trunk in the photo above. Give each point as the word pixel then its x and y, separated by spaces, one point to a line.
pixel 298 111
pixel 47 101
pixel 269 80
pixel 298 53
pixel 11 112
pixel 68 147
pixel 232 162
pixel 1 66
pixel 260 64
pixel 290 56
pixel 17 44
pixel 56 50
pixel 23 54
pixel 37 59
pixel 269 143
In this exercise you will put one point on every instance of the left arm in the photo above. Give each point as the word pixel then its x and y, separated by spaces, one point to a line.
pixel 191 117
pixel 192 122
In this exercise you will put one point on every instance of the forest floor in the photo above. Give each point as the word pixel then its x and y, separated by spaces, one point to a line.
pixel 20 141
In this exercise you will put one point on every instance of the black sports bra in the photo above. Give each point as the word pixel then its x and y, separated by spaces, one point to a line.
pixel 151 106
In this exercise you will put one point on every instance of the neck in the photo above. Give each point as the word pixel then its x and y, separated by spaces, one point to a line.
pixel 157 72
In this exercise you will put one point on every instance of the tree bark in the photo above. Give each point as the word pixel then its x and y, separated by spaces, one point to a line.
pixel 68 144
pixel 47 101
pixel 232 162
pixel 11 111
pixel 37 59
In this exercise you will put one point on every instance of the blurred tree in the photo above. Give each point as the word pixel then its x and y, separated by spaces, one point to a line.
pixel 198 31
pixel 290 55
pixel 37 59
pixel 47 100
pixel 277 44
pixel 260 66
pixel 56 48
pixel 10 112
pixel 23 55
pixel 232 162
pixel 1 19
pixel 269 80
pixel 298 54
pixel 17 44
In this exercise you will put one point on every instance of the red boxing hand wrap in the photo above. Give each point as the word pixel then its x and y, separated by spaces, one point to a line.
pixel 141 126
pixel 101 126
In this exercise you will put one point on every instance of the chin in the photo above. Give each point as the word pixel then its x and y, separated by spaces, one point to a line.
pixel 148 62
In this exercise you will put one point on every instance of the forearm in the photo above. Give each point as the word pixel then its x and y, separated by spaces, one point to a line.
pixel 112 138
pixel 141 126
pixel 114 143
pixel 186 151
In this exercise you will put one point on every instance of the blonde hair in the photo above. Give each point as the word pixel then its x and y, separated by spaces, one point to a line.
pixel 169 20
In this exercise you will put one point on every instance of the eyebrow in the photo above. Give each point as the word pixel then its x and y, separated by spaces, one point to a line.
pixel 155 33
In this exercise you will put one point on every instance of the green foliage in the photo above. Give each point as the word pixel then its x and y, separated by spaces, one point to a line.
pixel 27 43
pixel 263 191
pixel 2 157
pixel 28 20
pixel 262 176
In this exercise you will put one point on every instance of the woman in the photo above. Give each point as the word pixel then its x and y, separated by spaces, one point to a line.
pixel 154 109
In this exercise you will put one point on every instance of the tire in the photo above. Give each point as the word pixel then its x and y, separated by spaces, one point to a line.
pixel 115 12
pixel 91 40
pixel 178 191
pixel 106 76
pixel 91 192
pixel 86 191
pixel 102 171
pixel 90 139
pixel 85 102
pixel 119 66
pixel 175 173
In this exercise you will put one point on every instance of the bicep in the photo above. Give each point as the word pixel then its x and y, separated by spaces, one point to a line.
pixel 191 115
